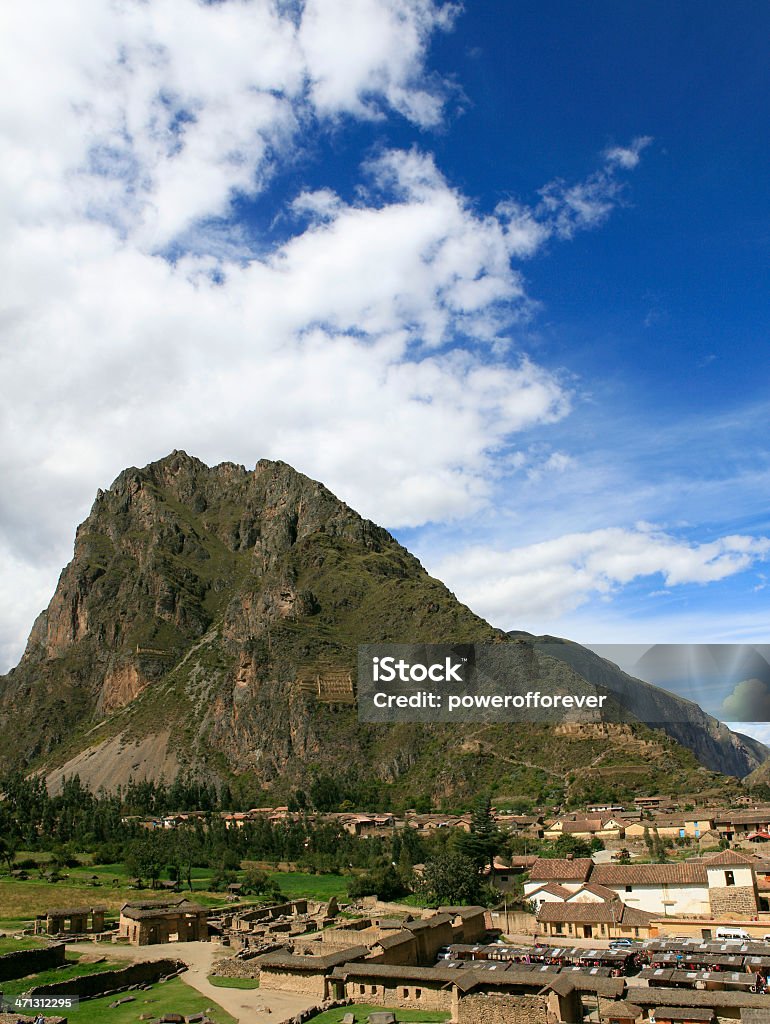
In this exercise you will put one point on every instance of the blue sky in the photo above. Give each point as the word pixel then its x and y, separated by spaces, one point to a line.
pixel 495 274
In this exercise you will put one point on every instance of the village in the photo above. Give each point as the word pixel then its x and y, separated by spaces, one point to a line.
pixel 666 920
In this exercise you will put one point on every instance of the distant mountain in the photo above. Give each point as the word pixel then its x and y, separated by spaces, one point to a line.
pixel 712 742
pixel 208 623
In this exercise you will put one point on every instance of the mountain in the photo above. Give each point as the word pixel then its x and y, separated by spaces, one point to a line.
pixel 208 623
pixel 712 741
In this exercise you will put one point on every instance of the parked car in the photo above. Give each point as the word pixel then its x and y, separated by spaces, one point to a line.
pixel 621 943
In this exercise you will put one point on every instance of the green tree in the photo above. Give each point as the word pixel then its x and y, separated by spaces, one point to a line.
pixel 453 879
pixel 485 838
pixel 571 846
pixel 383 882
pixel 255 881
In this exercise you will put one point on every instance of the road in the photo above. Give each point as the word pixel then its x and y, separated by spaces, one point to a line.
pixel 248 1006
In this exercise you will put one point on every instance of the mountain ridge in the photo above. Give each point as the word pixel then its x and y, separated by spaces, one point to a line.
pixel 198 602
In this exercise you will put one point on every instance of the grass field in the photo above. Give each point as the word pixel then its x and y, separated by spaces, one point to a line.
pixel 107 884
pixel 9 945
pixel 362 1014
pixel 233 982
pixel 72 970
pixel 169 997
pixel 318 887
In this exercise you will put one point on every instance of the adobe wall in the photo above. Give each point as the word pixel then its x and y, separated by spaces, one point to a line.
pixel 474 928
pixel 22 962
pixel 514 922
pixel 304 982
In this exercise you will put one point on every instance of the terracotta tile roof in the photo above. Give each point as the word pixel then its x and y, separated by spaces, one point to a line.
pixel 685 1013
pixel 729 857
pixel 598 890
pixel 548 870
pixel 553 889
pixel 614 912
pixel 683 873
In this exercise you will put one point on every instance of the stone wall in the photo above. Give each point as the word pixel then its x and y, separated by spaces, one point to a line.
pixel 22 962
pixel 733 899
pixel 499 1009
pixel 304 982
pixel 16 1018
pixel 235 967
pixel 89 986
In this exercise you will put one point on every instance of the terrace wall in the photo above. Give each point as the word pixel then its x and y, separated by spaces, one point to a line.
pixel 22 962
pixel 88 986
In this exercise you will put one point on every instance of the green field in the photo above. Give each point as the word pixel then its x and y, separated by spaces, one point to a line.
pixel 86 884
pixel 169 997
pixel 218 982
pixel 362 1014
pixel 9 945
pixel 295 884
pixel 72 970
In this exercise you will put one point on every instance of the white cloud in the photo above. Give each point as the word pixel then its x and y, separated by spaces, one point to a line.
pixel 586 204
pixel 628 157
pixel 521 587
pixel 353 350
pixel 361 52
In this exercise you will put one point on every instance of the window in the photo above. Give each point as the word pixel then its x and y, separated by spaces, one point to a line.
pixel 404 993
pixel 629 888
pixel 418 993
pixel 362 989
pixel 729 878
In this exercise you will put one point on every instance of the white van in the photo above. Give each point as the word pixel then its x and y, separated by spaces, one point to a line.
pixel 732 935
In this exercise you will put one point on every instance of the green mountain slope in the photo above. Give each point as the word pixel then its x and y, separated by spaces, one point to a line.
pixel 200 609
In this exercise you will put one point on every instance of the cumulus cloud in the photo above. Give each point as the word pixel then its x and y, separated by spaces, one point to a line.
pixel 517 587
pixel 368 348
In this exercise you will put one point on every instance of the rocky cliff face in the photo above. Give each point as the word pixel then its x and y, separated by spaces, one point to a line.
pixel 210 607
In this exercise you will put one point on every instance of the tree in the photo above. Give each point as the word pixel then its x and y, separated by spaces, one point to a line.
pixel 255 881
pixel 383 882
pixel 571 846
pixel 485 838
pixel 324 793
pixel 452 878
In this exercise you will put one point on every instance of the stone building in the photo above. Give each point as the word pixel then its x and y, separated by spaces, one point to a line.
pixel 287 972
pixel 732 883
pixel 71 920
pixel 151 922
pixel 608 920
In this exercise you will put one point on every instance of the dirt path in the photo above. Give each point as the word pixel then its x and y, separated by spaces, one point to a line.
pixel 248 1006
